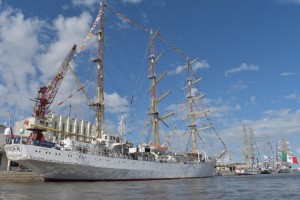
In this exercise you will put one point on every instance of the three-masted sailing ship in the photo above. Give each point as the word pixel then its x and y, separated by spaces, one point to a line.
pixel 285 158
pixel 102 155
pixel 251 160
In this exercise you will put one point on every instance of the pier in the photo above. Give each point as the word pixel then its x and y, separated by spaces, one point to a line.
pixel 20 176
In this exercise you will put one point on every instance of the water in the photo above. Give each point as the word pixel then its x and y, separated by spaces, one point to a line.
pixel 278 186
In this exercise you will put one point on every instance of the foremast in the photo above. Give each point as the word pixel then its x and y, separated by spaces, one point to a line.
pixel 284 148
pixel 99 104
pixel 190 100
pixel 154 81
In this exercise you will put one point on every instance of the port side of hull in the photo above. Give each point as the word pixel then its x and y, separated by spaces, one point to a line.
pixel 72 166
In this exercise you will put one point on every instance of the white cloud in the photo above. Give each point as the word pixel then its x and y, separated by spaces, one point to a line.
pixel 219 110
pixel 26 54
pixel 115 103
pixel 293 97
pixel 238 107
pixel 50 61
pixel 288 1
pixel 19 46
pixel 202 64
pixel 132 1
pixel 87 3
pixel 240 85
pixel 194 92
pixel 253 100
pixel 145 17
pixel 242 67
pixel 122 24
pixel 276 113
pixel 286 74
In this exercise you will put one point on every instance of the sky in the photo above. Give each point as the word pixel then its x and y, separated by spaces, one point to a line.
pixel 247 52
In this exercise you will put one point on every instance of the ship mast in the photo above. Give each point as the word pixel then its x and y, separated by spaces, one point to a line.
pixel 191 110
pixel 245 143
pixel 191 99
pixel 99 105
pixel 154 100
pixel 252 147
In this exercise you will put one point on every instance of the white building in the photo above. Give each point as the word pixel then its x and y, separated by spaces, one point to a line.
pixel 3 158
pixel 57 128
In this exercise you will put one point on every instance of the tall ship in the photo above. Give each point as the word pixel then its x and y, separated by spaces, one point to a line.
pixel 268 165
pixel 251 154
pixel 85 152
pixel 285 157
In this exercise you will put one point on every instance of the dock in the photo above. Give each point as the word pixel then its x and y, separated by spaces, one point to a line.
pixel 20 176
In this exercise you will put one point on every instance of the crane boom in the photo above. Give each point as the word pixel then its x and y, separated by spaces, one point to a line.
pixel 47 93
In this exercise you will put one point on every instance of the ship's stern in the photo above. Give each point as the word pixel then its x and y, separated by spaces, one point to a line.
pixel 16 152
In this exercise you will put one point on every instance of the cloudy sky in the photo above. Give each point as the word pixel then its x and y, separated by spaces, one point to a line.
pixel 247 53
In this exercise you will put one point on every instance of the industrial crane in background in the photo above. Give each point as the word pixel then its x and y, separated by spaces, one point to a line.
pixel 46 95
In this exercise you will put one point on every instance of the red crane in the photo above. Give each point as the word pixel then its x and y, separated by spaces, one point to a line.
pixel 47 93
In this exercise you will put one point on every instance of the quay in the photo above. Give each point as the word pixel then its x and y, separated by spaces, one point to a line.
pixel 20 176
pixel 226 169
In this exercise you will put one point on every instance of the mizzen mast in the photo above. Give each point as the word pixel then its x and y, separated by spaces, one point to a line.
pixel 191 99
pixel 99 104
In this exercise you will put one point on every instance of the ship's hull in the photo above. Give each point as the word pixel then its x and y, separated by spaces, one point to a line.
pixel 285 170
pixel 57 165
pixel 246 172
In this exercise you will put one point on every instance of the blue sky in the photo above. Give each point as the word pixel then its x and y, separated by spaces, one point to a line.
pixel 247 50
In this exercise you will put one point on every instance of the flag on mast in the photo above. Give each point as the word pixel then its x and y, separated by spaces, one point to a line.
pixel 295 161
pixel 11 131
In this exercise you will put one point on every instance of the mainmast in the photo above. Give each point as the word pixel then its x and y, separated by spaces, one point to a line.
pixel 245 143
pixel 252 140
pixel 192 114
pixel 191 109
pixel 154 100
pixel 99 105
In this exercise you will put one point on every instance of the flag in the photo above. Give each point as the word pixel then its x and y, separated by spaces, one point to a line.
pixel 295 161
pixel 283 156
pixel 289 159
pixel 11 132
pixel 26 122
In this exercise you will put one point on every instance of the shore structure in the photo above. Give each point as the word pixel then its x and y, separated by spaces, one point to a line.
pixel 3 157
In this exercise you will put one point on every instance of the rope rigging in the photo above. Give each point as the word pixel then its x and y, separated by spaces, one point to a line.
pixel 148 30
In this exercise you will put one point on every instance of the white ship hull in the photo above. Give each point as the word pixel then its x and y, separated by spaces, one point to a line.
pixel 285 170
pixel 57 165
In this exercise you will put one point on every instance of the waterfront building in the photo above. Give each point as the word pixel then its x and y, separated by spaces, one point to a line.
pixel 56 128
pixel 3 158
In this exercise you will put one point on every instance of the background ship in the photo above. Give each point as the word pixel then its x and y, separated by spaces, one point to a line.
pixel 285 158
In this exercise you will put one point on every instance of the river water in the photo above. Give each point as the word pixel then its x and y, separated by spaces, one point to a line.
pixel 271 187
